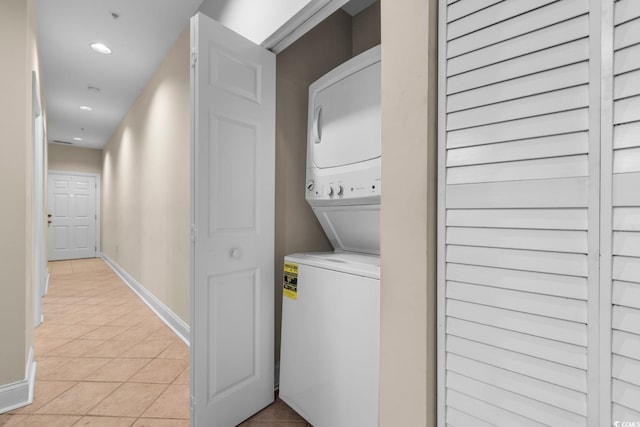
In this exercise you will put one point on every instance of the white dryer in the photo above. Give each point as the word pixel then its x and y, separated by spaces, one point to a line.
pixel 330 311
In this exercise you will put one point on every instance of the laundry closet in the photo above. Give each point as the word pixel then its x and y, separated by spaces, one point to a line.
pixel 331 43
pixel 330 315
pixel 245 182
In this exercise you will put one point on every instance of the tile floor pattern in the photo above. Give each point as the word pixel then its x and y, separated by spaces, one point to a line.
pixel 105 359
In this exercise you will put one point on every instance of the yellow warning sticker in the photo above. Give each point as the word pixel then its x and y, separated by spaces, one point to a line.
pixel 290 285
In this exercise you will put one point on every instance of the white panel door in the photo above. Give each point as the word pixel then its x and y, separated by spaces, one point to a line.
pixel 233 137
pixel 72 206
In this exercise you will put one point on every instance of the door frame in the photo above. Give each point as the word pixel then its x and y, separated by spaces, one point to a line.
pixel 299 24
pixel 40 273
pixel 98 212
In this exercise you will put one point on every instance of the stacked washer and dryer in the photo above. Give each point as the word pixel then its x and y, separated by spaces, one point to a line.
pixel 330 312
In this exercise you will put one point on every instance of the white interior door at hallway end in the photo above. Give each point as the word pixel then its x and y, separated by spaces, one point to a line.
pixel 232 298
pixel 72 206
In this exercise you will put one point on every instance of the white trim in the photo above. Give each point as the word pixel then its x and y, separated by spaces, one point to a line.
pixel 306 19
pixel 39 251
pixel 177 325
pixel 98 197
pixel 20 393
pixel 593 256
pixel 193 97
pixel 441 218
pixel 606 209
pixel 46 284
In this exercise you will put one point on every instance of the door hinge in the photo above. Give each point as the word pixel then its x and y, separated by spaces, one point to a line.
pixel 194 57
pixel 192 404
pixel 194 233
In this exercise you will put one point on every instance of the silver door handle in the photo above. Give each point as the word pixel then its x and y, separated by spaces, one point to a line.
pixel 317 135
pixel 235 253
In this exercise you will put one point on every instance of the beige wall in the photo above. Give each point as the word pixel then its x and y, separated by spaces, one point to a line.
pixel 18 56
pixel 408 235
pixel 146 185
pixel 74 159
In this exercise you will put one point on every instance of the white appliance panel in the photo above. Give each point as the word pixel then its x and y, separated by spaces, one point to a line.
pixel 352 228
pixel 345 121
pixel 343 153
pixel 330 340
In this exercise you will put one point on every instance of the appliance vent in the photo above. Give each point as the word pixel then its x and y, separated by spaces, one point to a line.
pixel 57 141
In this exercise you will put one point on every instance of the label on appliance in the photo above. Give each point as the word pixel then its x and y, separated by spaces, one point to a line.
pixel 290 285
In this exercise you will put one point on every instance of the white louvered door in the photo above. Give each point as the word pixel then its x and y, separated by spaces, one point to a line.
pixel 536 329
pixel 624 209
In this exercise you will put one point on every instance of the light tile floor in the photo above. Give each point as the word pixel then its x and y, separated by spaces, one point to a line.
pixel 105 359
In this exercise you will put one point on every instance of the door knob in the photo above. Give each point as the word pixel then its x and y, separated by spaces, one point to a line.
pixel 49 215
pixel 49 221
pixel 235 253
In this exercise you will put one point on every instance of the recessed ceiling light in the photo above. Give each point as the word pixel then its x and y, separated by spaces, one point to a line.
pixel 77 139
pixel 93 89
pixel 101 48
pixel 86 108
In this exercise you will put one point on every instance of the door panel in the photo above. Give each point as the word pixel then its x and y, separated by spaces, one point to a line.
pixel 233 149
pixel 518 153
pixel 72 206
pixel 233 161
pixel 594 297
pixel 232 362
pixel 621 275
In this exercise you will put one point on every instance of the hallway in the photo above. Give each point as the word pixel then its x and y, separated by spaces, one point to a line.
pixel 105 359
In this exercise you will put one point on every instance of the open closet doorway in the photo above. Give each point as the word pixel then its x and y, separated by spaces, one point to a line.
pixel 222 288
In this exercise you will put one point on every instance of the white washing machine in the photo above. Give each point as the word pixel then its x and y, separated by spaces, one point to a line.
pixel 330 312
pixel 329 357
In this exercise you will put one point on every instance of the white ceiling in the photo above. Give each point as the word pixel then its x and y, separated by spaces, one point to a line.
pixel 140 38
pixel 254 19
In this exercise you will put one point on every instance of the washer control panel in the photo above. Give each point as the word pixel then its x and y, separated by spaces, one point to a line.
pixel 345 186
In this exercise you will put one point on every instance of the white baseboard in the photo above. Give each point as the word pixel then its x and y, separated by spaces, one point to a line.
pixel 46 284
pixel 19 393
pixel 176 324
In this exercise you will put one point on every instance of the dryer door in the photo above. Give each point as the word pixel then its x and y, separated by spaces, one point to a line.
pixel 344 119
